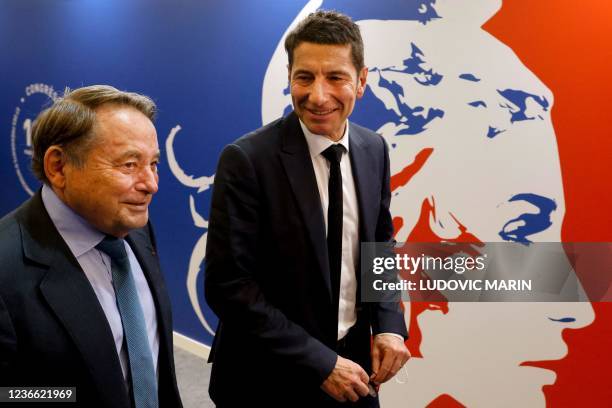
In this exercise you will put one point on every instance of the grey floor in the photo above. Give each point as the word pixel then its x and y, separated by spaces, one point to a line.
pixel 192 374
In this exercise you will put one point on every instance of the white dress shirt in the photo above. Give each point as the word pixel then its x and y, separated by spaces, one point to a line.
pixel 347 314
pixel 82 239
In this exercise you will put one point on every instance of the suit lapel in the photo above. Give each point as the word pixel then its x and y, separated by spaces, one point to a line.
pixel 366 179
pixel 71 297
pixel 298 166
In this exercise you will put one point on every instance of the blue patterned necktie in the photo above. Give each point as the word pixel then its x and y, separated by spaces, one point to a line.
pixel 142 371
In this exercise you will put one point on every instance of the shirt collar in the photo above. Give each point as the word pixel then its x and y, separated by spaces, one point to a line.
pixel 79 234
pixel 317 143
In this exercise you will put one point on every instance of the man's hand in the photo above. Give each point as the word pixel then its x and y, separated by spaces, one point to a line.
pixel 347 381
pixel 389 354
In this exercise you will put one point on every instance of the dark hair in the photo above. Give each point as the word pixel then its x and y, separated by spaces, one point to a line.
pixel 69 122
pixel 327 27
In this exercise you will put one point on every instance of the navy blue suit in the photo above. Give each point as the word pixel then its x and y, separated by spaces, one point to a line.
pixel 267 270
pixel 53 331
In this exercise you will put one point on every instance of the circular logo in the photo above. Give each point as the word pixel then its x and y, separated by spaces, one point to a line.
pixel 36 97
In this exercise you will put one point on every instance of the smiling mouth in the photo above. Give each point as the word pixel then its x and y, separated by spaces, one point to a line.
pixel 141 206
pixel 321 112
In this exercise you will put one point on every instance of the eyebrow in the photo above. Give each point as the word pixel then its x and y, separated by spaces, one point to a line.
pixel 339 72
pixel 137 154
pixel 301 71
pixel 335 72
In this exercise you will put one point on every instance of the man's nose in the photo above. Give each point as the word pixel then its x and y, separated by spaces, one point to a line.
pixel 318 92
pixel 148 180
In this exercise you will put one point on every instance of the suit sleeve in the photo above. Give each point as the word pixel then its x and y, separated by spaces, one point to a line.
pixel 8 345
pixel 388 316
pixel 231 286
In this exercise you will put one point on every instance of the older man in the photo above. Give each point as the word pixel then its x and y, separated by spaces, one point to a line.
pixel 291 203
pixel 82 299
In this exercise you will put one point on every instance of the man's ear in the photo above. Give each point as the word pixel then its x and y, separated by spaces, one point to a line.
pixel 361 82
pixel 54 163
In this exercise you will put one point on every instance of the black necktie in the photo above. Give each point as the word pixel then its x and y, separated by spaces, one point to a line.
pixel 333 154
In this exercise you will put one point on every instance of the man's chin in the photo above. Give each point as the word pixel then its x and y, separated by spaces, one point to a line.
pixel 134 221
pixel 322 129
pixel 141 222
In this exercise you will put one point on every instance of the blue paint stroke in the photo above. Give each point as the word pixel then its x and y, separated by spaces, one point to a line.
pixel 413 65
pixel 477 104
pixel 392 86
pixel 533 223
pixel 519 100
pixel 494 132
pixel 288 110
pixel 469 77
pixel 563 320
pixel 372 112
pixel 422 11
pixel 414 117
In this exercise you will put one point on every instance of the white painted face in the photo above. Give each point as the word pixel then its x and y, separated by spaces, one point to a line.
pixel 475 351
pixel 482 122
pixel 472 138
pixel 485 117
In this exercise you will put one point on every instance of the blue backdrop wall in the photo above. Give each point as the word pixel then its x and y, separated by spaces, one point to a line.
pixel 477 105
pixel 201 61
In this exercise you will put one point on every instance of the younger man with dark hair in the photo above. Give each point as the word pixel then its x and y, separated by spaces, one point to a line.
pixel 291 203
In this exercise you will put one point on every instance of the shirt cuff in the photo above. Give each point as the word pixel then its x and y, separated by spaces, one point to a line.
pixel 399 336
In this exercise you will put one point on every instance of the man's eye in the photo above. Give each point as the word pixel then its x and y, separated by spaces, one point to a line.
pixel 154 166
pixel 130 165
pixel 338 78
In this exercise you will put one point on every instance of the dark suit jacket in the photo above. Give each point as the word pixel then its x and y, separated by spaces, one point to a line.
pixel 53 331
pixel 267 271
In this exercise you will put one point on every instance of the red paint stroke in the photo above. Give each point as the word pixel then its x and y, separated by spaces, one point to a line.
pixel 403 177
pixel 423 233
pixel 566 45
pixel 445 401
